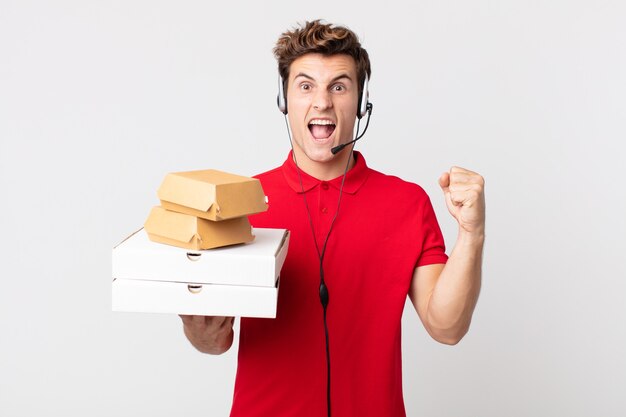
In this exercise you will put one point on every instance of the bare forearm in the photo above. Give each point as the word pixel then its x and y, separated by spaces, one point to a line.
pixel 454 297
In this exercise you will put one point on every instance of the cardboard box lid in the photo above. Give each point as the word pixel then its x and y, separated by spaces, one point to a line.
pixel 255 264
pixel 212 194
pixel 188 231
pixel 197 299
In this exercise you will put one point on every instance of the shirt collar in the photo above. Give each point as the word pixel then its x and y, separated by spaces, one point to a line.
pixel 355 177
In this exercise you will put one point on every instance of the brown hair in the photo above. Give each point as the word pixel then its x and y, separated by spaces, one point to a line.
pixel 321 38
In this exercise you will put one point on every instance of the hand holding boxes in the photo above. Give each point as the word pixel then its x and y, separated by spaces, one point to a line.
pixel 200 210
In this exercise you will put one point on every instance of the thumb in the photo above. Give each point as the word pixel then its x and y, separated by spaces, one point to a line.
pixel 444 182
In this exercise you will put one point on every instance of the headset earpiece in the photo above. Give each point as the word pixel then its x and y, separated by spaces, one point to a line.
pixel 281 99
pixel 363 99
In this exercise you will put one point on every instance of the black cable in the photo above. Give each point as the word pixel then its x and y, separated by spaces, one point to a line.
pixel 324 295
pixel 369 107
pixel 339 148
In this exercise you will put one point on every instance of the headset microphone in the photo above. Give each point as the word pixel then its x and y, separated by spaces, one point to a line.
pixel 339 148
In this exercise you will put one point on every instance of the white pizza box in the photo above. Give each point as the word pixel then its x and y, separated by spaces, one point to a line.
pixel 141 296
pixel 256 264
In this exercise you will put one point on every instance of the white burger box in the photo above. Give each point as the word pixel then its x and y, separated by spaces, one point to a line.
pixel 240 280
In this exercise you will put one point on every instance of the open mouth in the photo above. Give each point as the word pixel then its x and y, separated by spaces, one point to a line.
pixel 321 128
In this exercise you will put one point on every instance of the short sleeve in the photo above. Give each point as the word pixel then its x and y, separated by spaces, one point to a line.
pixel 433 245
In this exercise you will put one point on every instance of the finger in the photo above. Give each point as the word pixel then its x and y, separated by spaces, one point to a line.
pixel 217 322
pixel 470 190
pixel 456 198
pixel 228 322
pixel 466 178
pixel 193 321
pixel 456 169
pixel 446 196
pixel 460 177
pixel 464 186
pixel 464 197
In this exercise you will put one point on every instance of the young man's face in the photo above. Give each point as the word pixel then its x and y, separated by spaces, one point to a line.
pixel 322 97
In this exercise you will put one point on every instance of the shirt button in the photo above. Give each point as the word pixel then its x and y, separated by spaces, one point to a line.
pixel 324 210
pixel 324 186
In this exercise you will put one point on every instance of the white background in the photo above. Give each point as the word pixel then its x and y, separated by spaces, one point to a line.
pixel 99 100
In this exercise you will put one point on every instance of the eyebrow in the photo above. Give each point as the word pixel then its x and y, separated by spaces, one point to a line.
pixel 337 78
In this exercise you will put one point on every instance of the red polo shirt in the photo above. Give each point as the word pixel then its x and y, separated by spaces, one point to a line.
pixel 386 227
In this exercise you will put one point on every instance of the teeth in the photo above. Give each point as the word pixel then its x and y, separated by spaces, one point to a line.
pixel 320 122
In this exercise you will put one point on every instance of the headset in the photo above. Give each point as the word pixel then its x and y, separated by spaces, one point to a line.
pixel 362 110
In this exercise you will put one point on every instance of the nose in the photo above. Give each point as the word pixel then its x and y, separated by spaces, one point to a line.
pixel 322 100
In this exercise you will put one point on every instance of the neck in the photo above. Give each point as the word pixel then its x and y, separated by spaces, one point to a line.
pixel 325 170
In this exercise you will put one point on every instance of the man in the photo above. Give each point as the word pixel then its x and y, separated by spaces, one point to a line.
pixel 369 239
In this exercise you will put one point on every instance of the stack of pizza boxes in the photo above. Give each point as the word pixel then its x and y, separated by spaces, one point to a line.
pixel 198 253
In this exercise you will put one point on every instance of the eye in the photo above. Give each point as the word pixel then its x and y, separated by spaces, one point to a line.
pixel 305 86
pixel 338 88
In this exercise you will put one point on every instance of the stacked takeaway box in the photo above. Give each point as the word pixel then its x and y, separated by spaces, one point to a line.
pixel 197 253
